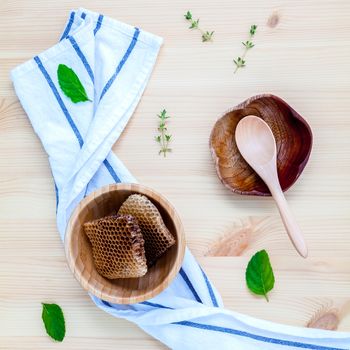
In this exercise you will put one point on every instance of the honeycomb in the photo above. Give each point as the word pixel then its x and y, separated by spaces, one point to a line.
pixel 156 235
pixel 117 246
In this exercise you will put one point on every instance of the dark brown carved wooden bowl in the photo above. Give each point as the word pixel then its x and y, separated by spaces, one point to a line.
pixel 293 139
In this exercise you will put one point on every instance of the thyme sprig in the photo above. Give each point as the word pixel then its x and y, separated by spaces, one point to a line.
pixel 240 61
pixel 206 35
pixel 163 138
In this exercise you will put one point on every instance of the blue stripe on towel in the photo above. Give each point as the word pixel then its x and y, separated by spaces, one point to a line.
pixel 98 24
pixel 82 57
pixel 210 289
pixel 56 192
pixel 68 116
pixel 156 305
pixel 91 74
pixel 59 100
pixel 83 15
pixel 68 26
pixel 111 170
pixel 190 286
pixel 244 334
pixel 121 63
pixel 254 336
pixel 106 303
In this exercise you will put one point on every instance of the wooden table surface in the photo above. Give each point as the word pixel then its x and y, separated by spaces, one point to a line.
pixel 302 55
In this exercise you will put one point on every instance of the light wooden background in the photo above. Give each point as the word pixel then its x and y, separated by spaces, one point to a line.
pixel 301 54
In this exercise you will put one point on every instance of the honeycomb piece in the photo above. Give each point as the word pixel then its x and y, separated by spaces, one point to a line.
pixel 117 246
pixel 156 235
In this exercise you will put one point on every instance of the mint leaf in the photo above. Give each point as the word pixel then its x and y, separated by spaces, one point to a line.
pixel 259 275
pixel 53 319
pixel 71 85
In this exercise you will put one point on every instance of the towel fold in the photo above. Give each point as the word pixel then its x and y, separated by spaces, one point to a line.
pixel 114 61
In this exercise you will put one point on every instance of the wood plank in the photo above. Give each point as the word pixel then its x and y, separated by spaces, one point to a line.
pixel 301 54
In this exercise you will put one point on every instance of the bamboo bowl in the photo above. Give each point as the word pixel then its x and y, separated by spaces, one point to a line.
pixel 293 141
pixel 79 252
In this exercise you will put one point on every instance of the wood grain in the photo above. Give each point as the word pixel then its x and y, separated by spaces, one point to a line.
pixel 301 55
pixel 99 204
pixel 292 136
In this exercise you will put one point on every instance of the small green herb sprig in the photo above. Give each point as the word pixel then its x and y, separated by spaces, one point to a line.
pixel 240 61
pixel 163 138
pixel 206 35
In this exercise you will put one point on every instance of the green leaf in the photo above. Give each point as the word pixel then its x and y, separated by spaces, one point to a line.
pixel 259 275
pixel 188 15
pixel 248 44
pixel 53 319
pixel 253 29
pixel 207 36
pixel 71 85
pixel 162 114
pixel 194 24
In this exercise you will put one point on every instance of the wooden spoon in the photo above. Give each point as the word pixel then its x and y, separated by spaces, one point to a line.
pixel 257 145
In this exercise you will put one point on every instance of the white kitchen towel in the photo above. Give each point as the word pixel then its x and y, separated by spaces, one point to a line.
pixel 114 62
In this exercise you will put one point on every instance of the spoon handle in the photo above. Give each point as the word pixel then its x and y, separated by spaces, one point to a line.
pixel 290 224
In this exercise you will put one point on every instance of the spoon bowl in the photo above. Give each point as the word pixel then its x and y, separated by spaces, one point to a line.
pixel 261 147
